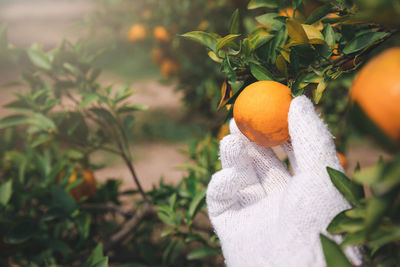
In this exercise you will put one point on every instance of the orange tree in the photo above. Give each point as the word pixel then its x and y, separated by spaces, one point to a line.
pixel 52 210
pixel 178 60
pixel 315 48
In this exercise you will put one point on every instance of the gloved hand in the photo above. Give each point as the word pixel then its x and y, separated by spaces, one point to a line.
pixel 263 215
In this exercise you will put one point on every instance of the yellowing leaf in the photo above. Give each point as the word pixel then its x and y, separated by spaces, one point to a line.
pixel 226 93
pixel 296 32
pixel 313 34
pixel 214 57
pixel 317 93
pixel 281 64
pixel 285 55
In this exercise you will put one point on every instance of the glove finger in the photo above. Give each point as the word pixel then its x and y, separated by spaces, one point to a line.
pixel 288 148
pixel 271 172
pixel 237 150
pixel 231 188
pixel 312 142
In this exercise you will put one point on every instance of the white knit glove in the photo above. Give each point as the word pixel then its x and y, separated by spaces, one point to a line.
pixel 263 215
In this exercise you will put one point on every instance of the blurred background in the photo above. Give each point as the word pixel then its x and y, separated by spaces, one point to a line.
pixel 105 108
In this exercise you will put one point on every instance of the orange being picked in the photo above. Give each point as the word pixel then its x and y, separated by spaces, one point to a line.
pixel 137 32
pixel 169 67
pixel 161 34
pixel 261 112
pixel 376 89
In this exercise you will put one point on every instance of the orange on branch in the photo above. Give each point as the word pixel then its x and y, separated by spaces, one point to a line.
pixel 161 34
pixel 137 32
pixel 157 56
pixel 169 67
pixel 261 112
pixel 376 89
pixel 86 188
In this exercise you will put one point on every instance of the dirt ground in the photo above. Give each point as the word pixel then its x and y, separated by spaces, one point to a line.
pixel 48 21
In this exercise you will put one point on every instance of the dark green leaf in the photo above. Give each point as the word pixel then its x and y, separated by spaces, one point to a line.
pixel 260 73
pixel 253 4
pixel 202 252
pixel 20 233
pixel 376 210
pixel 362 41
pixel 63 200
pixel 352 239
pixel 319 13
pixel 346 187
pixel 102 263
pixel 196 203
pixel 334 255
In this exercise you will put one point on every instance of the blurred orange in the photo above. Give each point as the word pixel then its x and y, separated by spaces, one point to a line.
pixel 376 89
pixel 137 32
pixel 169 67
pixel 157 56
pixel 161 34
pixel 86 188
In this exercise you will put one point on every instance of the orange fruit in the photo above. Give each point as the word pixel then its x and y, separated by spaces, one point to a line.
pixel 86 188
pixel 137 32
pixel 169 67
pixel 157 56
pixel 376 89
pixel 342 159
pixel 161 34
pixel 261 112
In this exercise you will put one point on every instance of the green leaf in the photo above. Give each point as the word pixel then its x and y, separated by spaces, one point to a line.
pixel 166 215
pixel 318 92
pixel 196 203
pixel 329 36
pixel 206 39
pixel 88 99
pixel 38 58
pixel 226 40
pixel 296 32
pixel 96 256
pixel 346 187
pixel 13 120
pixel 258 38
pixel 271 20
pixel 319 13
pixel 20 233
pixel 253 4
pixel 5 192
pixel 362 41
pixel 63 200
pixel 334 255
pixel 352 239
pixel 341 223
pixel 234 23
pixel 101 263
pixel 382 236
pixel 261 73
pixel 230 73
pixel 376 210
pixel 202 252
pixel 390 179
pixel 132 108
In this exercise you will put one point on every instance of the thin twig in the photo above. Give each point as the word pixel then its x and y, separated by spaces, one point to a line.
pixel 129 226
pixel 106 208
